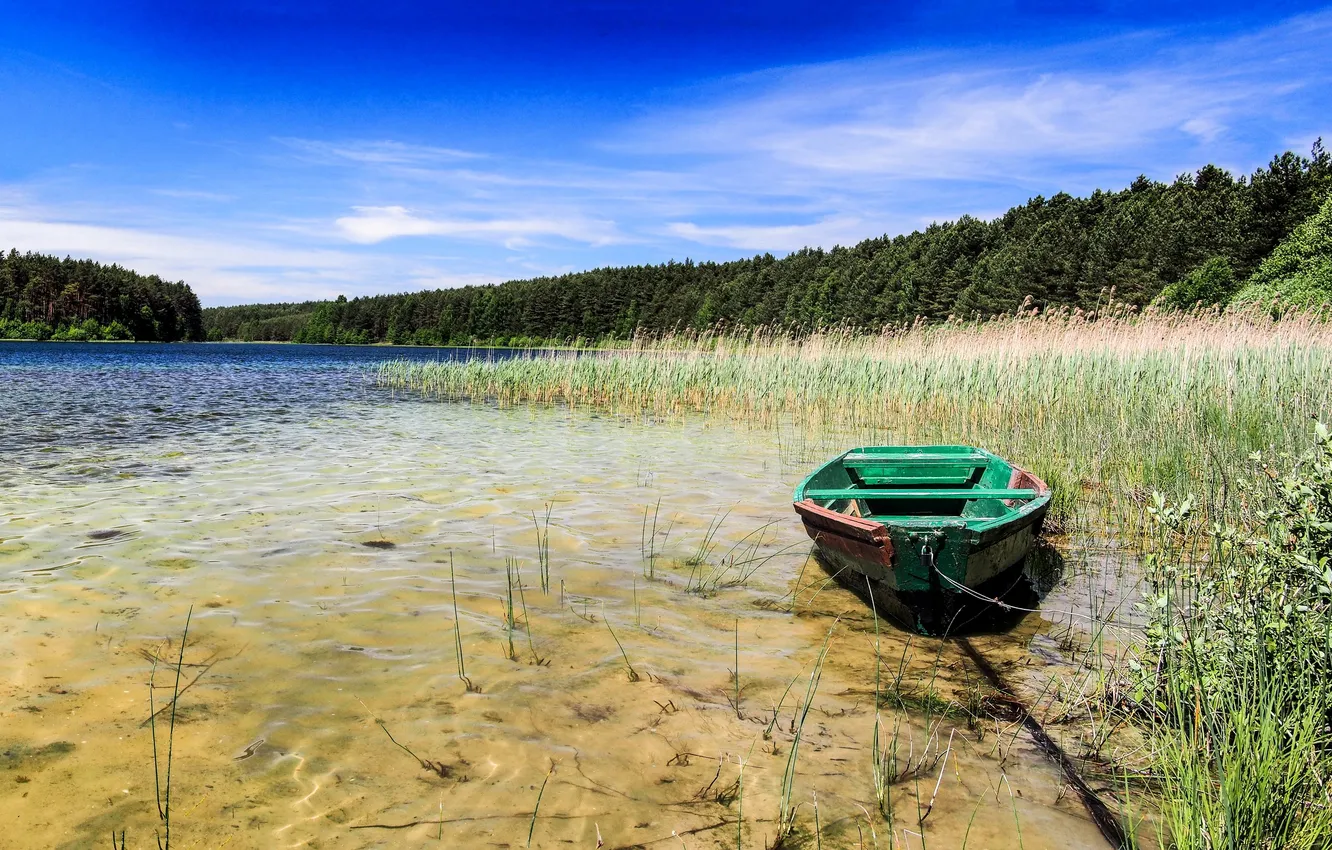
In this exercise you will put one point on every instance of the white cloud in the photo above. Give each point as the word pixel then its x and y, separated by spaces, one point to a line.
pixel 788 237
pixel 219 270
pixel 377 224
pixel 954 116
pixel 378 152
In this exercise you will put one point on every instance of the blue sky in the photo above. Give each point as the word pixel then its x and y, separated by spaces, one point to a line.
pixel 285 151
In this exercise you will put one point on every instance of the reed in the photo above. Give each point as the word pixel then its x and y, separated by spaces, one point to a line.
pixel 786 812
pixel 457 633
pixel 709 541
pixel 1119 402
pixel 736 704
pixel 543 547
pixel 163 791
pixel 647 546
pixel 527 627
pixel 880 771
pixel 510 622
pixel 531 827
pixel 628 665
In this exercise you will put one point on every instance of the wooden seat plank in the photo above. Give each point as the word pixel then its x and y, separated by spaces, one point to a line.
pixel 968 495
pixel 972 459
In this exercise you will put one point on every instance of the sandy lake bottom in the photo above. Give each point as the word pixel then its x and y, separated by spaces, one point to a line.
pixel 315 551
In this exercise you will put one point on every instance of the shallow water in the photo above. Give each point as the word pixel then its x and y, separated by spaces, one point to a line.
pixel 310 520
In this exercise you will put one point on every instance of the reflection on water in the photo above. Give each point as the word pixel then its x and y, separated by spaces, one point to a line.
pixel 265 494
pixel 995 606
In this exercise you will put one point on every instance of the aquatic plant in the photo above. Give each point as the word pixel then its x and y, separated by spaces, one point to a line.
pixel 531 827
pixel 162 793
pixel 628 665
pixel 786 811
pixel 543 547
pixel 527 627
pixel 709 542
pixel 1103 408
pixel 439 768
pixel 510 622
pixel 648 543
pixel 457 633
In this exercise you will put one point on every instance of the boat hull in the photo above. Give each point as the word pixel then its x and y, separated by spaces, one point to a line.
pixel 920 569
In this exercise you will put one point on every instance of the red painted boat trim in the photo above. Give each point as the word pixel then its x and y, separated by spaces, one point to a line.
pixel 862 539
pixel 1024 480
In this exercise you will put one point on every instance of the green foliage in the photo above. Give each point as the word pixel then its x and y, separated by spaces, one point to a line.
pixel 1299 271
pixel 89 330
pixel 1263 593
pixel 1048 253
pixel 1213 282
pixel 1235 667
pixel 45 298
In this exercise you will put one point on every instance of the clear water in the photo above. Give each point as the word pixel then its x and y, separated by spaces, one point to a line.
pixel 310 520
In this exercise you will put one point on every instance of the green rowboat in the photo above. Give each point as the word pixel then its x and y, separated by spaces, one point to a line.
pixel 929 524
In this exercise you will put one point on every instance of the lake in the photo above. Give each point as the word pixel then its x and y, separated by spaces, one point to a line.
pixel 324 531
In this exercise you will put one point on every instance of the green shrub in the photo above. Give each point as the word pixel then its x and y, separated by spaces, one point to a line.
pixel 116 331
pixel 1235 671
pixel 1298 273
pixel 1213 282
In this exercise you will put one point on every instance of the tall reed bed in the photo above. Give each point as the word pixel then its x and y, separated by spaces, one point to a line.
pixel 1124 400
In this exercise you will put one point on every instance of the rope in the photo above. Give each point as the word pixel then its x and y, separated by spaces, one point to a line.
pixel 1010 607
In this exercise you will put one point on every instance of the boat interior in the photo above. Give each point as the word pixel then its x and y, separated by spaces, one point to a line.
pixel 908 485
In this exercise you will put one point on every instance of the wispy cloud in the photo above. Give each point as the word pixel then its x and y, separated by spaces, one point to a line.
pixel 376 224
pixel 782 237
pixel 960 116
pixel 221 269
pixel 376 152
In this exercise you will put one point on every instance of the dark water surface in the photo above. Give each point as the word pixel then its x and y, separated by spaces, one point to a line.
pixel 79 404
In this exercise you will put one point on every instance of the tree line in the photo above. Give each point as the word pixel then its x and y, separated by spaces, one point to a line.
pixel 44 297
pixel 1205 232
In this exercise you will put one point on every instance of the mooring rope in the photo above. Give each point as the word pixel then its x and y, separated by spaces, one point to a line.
pixel 1007 606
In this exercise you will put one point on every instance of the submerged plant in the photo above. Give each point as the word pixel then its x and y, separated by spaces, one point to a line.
pixel 628 666
pixel 531 827
pixel 510 622
pixel 163 792
pixel 457 633
pixel 786 810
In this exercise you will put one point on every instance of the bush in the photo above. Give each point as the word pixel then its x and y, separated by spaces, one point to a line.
pixel 1213 282
pixel 1236 671
pixel 116 331
pixel 1298 273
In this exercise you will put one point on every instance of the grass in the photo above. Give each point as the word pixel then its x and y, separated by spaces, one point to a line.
pixel 1234 669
